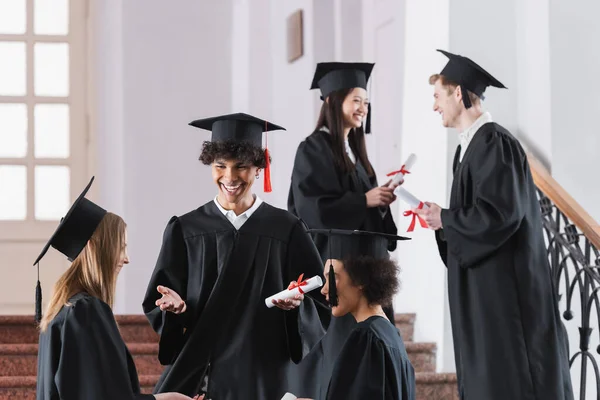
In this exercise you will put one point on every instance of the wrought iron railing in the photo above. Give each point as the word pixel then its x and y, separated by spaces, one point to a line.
pixel 575 263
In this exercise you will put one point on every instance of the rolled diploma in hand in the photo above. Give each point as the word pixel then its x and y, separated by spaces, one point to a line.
pixel 407 166
pixel 411 200
pixel 311 284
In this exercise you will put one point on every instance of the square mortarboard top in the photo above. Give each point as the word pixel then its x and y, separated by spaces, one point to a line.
pixel 345 244
pixel 240 127
pixel 72 234
pixel 332 76
pixel 470 76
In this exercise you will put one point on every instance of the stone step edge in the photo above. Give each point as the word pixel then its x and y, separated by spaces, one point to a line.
pixel 11 382
pixel 152 348
pixel 134 319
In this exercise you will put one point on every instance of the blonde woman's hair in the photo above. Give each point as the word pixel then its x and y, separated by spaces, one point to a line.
pixel 94 271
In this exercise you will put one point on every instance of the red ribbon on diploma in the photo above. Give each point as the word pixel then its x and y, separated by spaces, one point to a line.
pixel 402 171
pixel 415 216
pixel 298 284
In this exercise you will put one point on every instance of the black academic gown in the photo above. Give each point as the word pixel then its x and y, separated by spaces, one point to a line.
pixel 373 365
pixel 327 199
pixel 227 331
pixel 509 342
pixel 83 356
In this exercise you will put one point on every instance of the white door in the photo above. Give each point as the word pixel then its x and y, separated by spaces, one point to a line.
pixel 43 138
pixel 383 42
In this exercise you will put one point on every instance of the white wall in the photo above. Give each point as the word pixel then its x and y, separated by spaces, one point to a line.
pixel 574 66
pixel 150 83
pixel 292 103
pixel 422 133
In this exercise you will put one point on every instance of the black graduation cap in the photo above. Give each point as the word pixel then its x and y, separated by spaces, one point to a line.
pixel 468 75
pixel 239 127
pixel 332 76
pixel 345 244
pixel 71 236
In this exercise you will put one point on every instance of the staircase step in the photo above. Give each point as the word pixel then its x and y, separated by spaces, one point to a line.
pixel 22 329
pixel 406 324
pixel 23 387
pixel 434 386
pixel 430 386
pixel 422 356
pixel 134 328
pixel 21 359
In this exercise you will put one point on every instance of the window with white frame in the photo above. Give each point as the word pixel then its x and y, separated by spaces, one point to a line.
pixel 43 113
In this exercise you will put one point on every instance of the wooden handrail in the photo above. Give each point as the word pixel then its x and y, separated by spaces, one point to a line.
pixel 565 203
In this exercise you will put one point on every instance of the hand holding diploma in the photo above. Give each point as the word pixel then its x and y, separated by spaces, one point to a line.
pixel 291 297
pixel 428 214
pixel 432 215
pixel 380 196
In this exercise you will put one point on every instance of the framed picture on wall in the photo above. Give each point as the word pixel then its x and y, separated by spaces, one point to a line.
pixel 295 39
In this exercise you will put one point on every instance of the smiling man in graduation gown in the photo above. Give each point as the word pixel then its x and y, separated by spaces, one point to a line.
pixel 509 342
pixel 217 264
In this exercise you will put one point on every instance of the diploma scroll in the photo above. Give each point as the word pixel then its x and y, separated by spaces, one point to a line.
pixel 405 169
pixel 413 202
pixel 295 289
pixel 409 198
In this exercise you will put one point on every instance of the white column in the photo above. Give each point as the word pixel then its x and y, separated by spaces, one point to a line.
pixel 533 77
pixel 240 57
pixel 423 273
pixel 106 117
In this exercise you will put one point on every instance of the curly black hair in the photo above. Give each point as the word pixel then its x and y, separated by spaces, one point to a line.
pixel 379 278
pixel 232 150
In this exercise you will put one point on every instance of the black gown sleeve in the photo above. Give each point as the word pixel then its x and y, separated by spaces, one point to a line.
pixel 440 239
pixel 170 271
pixel 359 371
pixel 307 324
pixel 475 231
pixel 319 198
pixel 93 357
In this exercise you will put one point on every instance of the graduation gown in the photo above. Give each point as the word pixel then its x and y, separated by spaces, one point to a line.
pixel 509 342
pixel 83 356
pixel 327 199
pixel 373 365
pixel 324 198
pixel 227 331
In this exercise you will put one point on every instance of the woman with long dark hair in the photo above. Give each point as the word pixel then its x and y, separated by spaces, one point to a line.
pixel 334 185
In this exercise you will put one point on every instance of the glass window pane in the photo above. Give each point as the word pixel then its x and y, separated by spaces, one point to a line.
pixel 12 17
pixel 13 193
pixel 51 69
pixel 51 192
pixel 12 69
pixel 51 139
pixel 13 130
pixel 51 17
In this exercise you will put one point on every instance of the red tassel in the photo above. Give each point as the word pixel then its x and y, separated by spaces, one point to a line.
pixel 267 173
